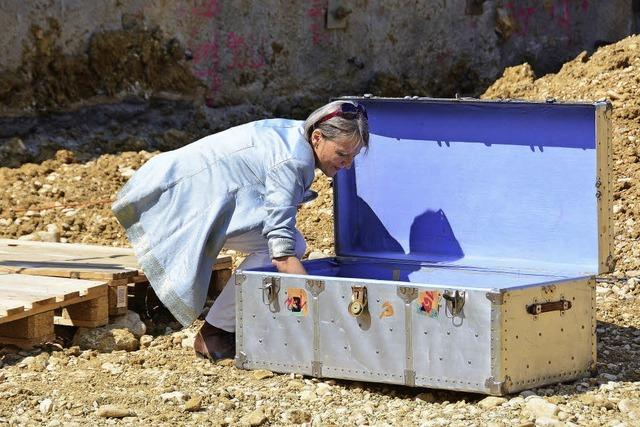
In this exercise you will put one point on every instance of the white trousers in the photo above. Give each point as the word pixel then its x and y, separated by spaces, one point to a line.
pixel 223 311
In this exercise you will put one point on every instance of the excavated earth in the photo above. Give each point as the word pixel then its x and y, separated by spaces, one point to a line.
pixel 67 197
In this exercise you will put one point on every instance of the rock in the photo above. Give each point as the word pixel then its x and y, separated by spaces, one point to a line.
pixel 114 411
pixel 316 255
pixel 307 395
pixel 549 422
pixel 255 418
pixel 491 402
pixel 194 404
pixel 187 341
pixel 51 235
pixel 631 407
pixel 111 368
pixel 130 321
pixel 323 389
pixel 261 374
pixel 106 339
pixel 527 393
pixel 146 340
pixel 175 396
pixel 426 397
pixel 296 416
pixel 45 406
pixel 539 407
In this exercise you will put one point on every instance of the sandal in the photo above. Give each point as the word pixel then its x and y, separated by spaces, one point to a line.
pixel 214 343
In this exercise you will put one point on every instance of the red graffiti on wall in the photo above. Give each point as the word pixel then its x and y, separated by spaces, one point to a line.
pixel 210 9
pixel 559 10
pixel 221 52
pixel 242 56
pixel 317 14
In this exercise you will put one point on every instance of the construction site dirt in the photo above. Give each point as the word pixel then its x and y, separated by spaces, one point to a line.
pixel 66 195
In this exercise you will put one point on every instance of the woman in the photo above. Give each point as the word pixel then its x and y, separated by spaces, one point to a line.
pixel 240 189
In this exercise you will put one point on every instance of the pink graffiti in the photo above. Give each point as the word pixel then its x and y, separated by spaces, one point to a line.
pixel 317 14
pixel 209 10
pixel 206 62
pixel 242 56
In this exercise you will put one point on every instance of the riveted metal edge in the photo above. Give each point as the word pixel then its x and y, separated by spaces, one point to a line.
pixel 409 378
pixel 497 300
pixel 316 368
pixel 315 287
pixel 240 278
pixel 407 295
pixel 496 388
pixel 241 360
pixel 495 297
pixel 593 368
pixel 240 323
pixel 604 151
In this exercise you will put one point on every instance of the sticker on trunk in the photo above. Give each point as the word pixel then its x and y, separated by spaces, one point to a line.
pixel 296 301
pixel 428 303
pixel 387 310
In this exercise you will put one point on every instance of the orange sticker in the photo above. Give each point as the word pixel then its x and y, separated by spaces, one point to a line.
pixel 296 301
pixel 429 303
pixel 387 310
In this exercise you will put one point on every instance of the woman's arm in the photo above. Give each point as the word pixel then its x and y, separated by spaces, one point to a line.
pixel 289 264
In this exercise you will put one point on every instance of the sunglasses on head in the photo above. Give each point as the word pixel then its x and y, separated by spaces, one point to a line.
pixel 346 110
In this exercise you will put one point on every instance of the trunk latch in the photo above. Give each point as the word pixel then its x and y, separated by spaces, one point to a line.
pixel 358 303
pixel 455 302
pixel 270 288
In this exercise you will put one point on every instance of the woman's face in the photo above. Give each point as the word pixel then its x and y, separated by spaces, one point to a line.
pixel 333 154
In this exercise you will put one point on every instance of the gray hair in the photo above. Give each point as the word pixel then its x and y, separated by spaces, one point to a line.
pixel 338 127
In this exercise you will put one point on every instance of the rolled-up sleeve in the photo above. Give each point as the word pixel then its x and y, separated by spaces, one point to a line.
pixel 284 191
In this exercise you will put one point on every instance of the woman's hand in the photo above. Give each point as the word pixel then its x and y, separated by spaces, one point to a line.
pixel 288 264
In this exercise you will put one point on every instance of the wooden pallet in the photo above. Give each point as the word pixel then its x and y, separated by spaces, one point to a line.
pixel 118 266
pixel 31 305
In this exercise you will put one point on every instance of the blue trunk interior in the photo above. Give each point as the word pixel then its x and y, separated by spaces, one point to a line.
pixel 468 193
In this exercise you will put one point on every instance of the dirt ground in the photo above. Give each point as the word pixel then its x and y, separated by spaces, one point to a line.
pixel 67 198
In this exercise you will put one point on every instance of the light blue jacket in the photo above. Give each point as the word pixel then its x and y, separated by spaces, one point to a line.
pixel 180 207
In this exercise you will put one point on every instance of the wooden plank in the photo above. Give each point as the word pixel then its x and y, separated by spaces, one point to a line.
pixel 22 290
pixel 28 331
pixel 89 314
pixel 75 260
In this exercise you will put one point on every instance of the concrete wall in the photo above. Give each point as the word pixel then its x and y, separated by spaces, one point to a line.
pixel 281 55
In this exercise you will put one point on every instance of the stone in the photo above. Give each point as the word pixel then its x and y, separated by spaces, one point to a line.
pixel 130 321
pixel 549 422
pixel 307 395
pixel 254 419
pixel 188 340
pixel 146 340
pixel 631 407
pixel 112 369
pixel 175 397
pixel 491 402
pixel 527 393
pixel 194 404
pixel 106 339
pixel 296 416
pixel 426 397
pixel 261 374
pixel 114 411
pixel 539 407
pixel 316 255
pixel 45 406
pixel 323 389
